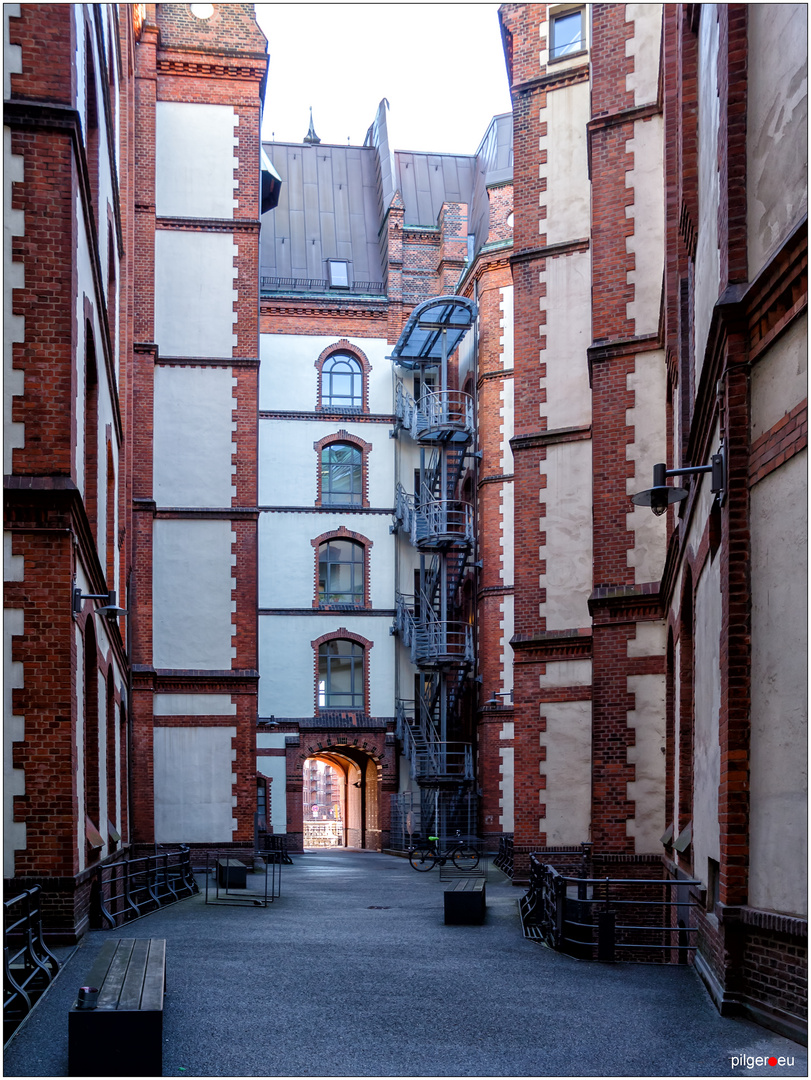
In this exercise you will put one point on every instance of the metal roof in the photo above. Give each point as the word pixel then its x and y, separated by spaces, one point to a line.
pixel 421 341
pixel 328 209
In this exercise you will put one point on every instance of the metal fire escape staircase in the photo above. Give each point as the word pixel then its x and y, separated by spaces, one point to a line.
pixel 440 527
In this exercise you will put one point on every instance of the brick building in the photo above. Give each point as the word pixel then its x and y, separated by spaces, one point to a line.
pixel 660 231
pixel 357 461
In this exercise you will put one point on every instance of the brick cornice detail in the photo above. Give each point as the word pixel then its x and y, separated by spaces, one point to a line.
pixel 556 81
pixel 552 645
pixel 549 438
pixel 226 225
pixel 626 603
pixel 623 116
pixel 550 251
pixel 309 308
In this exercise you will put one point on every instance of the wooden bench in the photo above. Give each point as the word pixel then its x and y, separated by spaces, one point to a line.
pixel 121 1033
pixel 465 902
pixel 232 874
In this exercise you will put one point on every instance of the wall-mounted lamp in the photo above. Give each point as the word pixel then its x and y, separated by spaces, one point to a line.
pixel 494 703
pixel 661 495
pixel 110 608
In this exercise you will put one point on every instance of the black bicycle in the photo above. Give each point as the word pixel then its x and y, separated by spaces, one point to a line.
pixel 462 854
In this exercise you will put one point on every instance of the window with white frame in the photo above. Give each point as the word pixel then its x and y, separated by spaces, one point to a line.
pixel 341 382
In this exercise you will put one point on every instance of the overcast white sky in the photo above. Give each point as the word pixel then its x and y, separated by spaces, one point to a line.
pixel 441 66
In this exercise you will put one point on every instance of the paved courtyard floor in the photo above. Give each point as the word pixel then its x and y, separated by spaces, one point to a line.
pixel 352 972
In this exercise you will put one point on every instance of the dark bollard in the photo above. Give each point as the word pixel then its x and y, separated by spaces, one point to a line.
pixel 606 935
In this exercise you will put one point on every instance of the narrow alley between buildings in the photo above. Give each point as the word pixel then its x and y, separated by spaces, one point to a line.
pixel 352 972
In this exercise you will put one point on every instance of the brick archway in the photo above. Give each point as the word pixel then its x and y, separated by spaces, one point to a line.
pixel 367 767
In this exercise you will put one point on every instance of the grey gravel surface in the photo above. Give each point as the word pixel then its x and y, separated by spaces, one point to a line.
pixel 352 972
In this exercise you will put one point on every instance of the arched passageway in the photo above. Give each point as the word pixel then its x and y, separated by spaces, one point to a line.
pixel 340 804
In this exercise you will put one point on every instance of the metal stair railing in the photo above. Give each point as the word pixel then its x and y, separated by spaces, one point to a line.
pixel 437 521
pixel 439 414
pixel 432 642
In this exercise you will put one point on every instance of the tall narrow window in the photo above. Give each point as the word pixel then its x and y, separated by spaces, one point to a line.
pixel 340 675
pixel 340 572
pixel 568 34
pixel 341 475
pixel 341 383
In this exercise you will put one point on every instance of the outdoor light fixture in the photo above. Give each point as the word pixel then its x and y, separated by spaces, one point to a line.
pixel 110 608
pixel 494 703
pixel 661 495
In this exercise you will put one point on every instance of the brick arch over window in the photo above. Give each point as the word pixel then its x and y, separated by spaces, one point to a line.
pixel 347 348
pixel 342 533
pixel 343 437
pixel 342 634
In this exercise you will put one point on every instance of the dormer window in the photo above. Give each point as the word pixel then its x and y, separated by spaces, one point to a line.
pixel 338 270
pixel 568 34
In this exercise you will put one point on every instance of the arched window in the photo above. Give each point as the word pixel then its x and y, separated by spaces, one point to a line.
pixel 341 475
pixel 341 383
pixel 340 675
pixel 341 572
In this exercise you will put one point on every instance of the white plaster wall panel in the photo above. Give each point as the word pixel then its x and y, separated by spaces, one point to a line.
pixel 195 294
pixel 647 789
pixel 643 81
pixel 196 153
pixel 271 740
pixel 568 551
pixel 778 758
pixel 13 565
pixel 646 243
pixel 567 330
pixel 647 418
pixel 288 379
pixel 192 583
pixel 289 581
pixel 708 260
pixel 506 539
pixel 780 379
pixel 276 769
pixel 78 746
pixel 567 768
pixel 12 54
pixel 13 278
pixel 507 626
pixel 568 193
pixel 507 426
pixel 650 640
pixel 507 324
pixel 193 705
pixel 193 781
pixel 506 787
pixel 287 661
pixel 14 832
pixel 194 436
pixel 776 126
pixel 288 462
pixel 707 708
pixel 566 673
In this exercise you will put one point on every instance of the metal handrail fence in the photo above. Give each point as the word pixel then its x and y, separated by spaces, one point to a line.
pixel 504 858
pixel 436 413
pixel 290 284
pixel 431 640
pixel 132 887
pixel 29 966
pixel 578 915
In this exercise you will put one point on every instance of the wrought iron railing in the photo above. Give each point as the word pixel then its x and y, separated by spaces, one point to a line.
pixel 131 887
pixel 439 414
pixel 29 966
pixel 432 642
pixel 290 284
pixel 504 858
pixel 581 915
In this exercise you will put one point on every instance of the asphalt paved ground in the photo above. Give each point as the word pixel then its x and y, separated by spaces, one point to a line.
pixel 352 972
